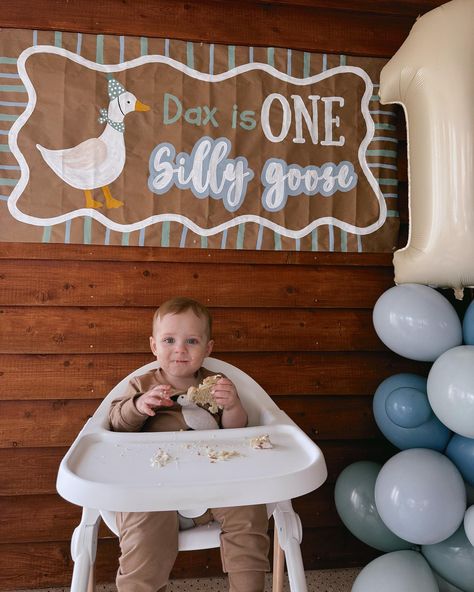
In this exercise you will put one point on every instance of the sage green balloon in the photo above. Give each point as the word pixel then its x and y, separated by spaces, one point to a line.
pixel 445 586
pixel 355 504
pixel 453 560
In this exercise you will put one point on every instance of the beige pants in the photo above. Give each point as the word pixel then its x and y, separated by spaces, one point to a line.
pixel 149 545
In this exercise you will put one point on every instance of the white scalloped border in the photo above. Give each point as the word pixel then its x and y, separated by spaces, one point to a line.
pixel 110 68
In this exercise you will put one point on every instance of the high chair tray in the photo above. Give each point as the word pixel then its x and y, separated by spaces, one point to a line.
pixel 115 471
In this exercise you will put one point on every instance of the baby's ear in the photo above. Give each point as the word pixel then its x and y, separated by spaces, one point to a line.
pixel 210 345
pixel 153 345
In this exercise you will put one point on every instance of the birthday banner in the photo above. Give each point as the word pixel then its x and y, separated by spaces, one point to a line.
pixel 156 142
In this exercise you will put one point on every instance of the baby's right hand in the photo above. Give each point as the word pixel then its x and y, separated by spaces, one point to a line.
pixel 158 396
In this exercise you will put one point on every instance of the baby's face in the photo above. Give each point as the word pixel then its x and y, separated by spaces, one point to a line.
pixel 180 344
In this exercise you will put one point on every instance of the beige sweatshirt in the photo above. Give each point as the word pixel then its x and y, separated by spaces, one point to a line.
pixel 125 417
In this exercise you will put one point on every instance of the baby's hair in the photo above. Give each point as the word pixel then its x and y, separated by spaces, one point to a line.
pixel 181 304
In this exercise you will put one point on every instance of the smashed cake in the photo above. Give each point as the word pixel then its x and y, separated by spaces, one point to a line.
pixel 202 394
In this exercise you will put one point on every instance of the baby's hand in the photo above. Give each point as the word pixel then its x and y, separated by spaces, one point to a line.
pixel 225 394
pixel 158 396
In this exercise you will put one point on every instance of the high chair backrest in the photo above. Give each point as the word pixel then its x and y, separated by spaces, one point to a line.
pixel 260 408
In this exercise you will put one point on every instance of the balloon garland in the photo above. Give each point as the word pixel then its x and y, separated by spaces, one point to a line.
pixel 419 506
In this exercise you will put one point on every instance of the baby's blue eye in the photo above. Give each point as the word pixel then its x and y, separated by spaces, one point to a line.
pixel 168 340
pixel 192 341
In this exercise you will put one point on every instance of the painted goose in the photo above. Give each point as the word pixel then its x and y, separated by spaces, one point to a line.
pixel 97 162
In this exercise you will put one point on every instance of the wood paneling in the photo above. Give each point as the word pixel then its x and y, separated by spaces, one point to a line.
pixel 52 330
pixel 75 319
pixel 58 252
pixel 29 471
pixel 37 467
pixel 316 26
pixel 56 519
pixel 322 417
pixel 85 283
pixel 88 376
pixel 44 564
pixel 395 7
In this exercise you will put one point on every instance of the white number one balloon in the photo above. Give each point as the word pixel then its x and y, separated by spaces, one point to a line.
pixel 432 76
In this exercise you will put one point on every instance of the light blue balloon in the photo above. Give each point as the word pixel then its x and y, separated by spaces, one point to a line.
pixel 355 504
pixel 416 322
pixel 429 434
pixel 400 571
pixel 453 560
pixel 408 407
pixel 420 495
pixel 468 325
pixel 468 523
pixel 461 451
pixel 450 388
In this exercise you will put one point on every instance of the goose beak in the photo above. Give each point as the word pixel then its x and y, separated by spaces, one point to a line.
pixel 141 106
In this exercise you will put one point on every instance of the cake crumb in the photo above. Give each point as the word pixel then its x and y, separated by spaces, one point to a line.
pixel 215 456
pixel 160 458
pixel 261 442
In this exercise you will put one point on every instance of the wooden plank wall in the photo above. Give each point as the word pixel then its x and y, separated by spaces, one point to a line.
pixel 75 319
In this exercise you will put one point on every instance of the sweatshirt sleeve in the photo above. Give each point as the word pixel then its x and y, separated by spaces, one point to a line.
pixel 123 414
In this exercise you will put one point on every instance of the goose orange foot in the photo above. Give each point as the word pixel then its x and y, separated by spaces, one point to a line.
pixel 90 202
pixel 110 201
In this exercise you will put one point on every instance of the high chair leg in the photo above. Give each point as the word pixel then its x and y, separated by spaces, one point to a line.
pixel 278 564
pixel 91 583
pixel 295 567
pixel 83 550
pixel 290 534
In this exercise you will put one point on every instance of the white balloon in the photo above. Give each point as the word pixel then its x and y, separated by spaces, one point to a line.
pixel 469 524
pixel 416 322
pixel 400 571
pixel 432 76
pixel 451 389
pixel 420 496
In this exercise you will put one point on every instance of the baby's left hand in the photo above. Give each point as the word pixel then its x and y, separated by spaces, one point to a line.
pixel 225 394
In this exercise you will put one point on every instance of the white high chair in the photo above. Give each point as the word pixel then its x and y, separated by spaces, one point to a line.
pixel 106 472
